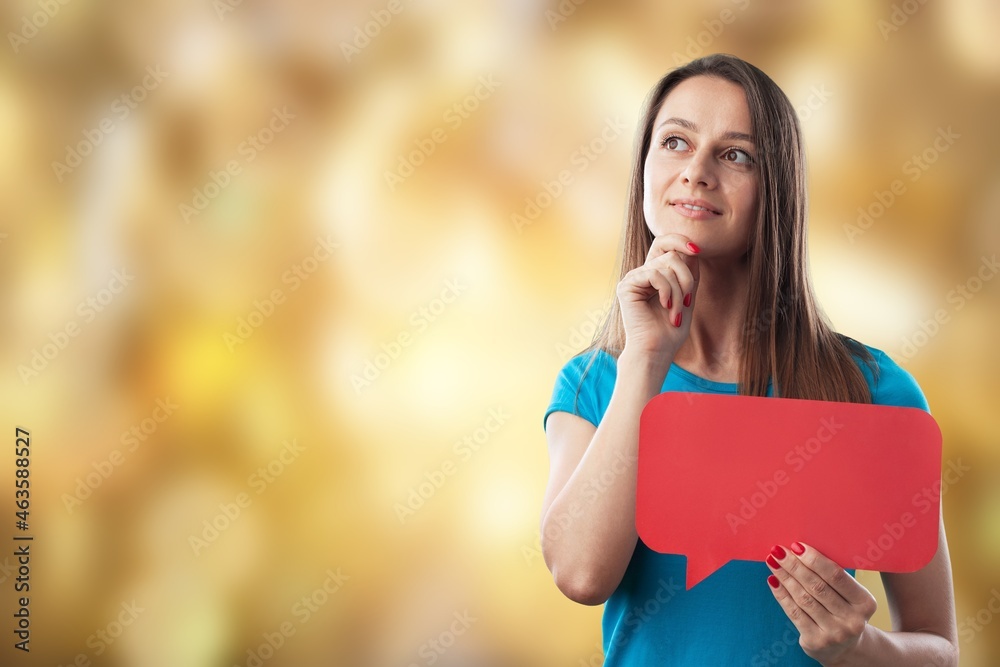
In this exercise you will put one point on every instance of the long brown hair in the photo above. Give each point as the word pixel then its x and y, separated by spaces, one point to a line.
pixel 786 338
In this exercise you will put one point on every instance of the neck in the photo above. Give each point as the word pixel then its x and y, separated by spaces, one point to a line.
pixel 712 349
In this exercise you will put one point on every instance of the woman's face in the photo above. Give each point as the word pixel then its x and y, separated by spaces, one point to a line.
pixel 700 176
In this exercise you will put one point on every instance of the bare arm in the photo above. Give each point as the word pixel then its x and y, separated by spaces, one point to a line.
pixel 922 608
pixel 831 611
pixel 588 526
pixel 588 515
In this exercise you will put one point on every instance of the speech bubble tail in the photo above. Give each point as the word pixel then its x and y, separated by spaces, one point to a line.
pixel 697 571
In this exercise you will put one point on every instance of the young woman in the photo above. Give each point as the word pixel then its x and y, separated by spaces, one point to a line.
pixel 714 296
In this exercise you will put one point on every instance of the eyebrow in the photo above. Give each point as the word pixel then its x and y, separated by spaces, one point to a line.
pixel 694 128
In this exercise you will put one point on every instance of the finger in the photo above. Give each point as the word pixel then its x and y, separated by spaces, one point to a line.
pixel 802 595
pixel 801 583
pixel 645 281
pixel 802 621
pixel 664 286
pixel 666 281
pixel 635 286
pixel 677 264
pixel 667 242
pixel 838 578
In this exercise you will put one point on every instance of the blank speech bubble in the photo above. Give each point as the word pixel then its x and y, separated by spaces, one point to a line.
pixel 726 477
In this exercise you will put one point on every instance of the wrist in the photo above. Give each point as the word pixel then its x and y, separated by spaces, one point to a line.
pixel 856 654
pixel 650 364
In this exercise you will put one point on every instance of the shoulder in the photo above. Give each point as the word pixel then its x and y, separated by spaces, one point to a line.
pixel 584 386
pixel 890 383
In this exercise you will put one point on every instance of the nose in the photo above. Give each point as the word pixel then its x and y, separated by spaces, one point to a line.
pixel 699 171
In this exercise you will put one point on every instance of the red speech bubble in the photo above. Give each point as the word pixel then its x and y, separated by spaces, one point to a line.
pixel 725 477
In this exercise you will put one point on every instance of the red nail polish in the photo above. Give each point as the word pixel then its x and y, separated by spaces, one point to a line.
pixel 778 551
pixel 773 581
pixel 773 563
pixel 797 548
pixel 693 248
pixel 677 320
pixel 687 300
pixel 670 301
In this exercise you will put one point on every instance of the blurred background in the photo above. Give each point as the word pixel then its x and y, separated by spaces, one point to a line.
pixel 286 287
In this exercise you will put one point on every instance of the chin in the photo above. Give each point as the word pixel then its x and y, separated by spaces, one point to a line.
pixel 675 224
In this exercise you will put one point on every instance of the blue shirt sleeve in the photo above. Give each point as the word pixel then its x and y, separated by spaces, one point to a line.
pixel 896 386
pixel 584 391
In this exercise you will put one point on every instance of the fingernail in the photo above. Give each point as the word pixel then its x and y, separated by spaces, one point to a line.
pixel 773 563
pixel 670 301
pixel 778 551
pixel 773 581
pixel 677 320
pixel 693 248
pixel 687 300
pixel 797 548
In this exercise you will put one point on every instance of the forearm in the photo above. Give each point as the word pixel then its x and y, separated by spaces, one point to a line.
pixel 588 533
pixel 878 648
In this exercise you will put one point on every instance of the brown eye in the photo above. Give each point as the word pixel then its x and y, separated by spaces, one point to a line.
pixel 737 156
pixel 674 143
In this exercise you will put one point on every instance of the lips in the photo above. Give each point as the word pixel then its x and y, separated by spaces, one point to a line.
pixel 695 205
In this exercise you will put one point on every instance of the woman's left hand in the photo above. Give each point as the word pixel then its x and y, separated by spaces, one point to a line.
pixel 826 604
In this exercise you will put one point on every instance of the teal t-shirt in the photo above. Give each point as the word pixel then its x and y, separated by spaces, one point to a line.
pixel 731 617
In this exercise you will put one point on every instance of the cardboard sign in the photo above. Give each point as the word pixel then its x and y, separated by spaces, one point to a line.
pixel 725 477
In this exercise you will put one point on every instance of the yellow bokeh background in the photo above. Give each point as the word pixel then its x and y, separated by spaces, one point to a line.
pixel 242 238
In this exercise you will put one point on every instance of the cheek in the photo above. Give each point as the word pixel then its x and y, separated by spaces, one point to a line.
pixel 750 212
pixel 654 180
pixel 648 191
pixel 748 198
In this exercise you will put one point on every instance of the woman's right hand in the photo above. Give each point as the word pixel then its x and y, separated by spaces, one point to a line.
pixel 657 298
